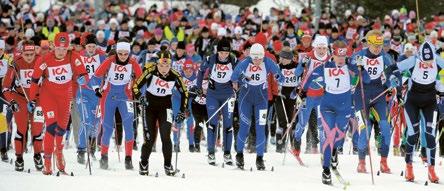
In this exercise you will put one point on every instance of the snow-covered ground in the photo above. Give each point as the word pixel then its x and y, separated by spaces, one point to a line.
pixel 201 176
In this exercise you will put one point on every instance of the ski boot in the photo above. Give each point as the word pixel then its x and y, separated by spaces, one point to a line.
pixel 176 148
pixel 432 175
pixel 135 147
pixel 128 163
pixel 326 176
pixel 197 148
pixel 4 155
pixel 273 140
pixel 81 157
pixel 227 159
pixel 19 164
pixel 60 160
pixel 240 160
pixel 260 163
pixel 409 176
pixel 384 166
pixel 211 159
pixel 191 148
pixel 355 150
pixel 38 162
pixel 361 166
pixel 143 168
pixel 48 167
pixel 340 151
pixel 169 170
pixel 104 162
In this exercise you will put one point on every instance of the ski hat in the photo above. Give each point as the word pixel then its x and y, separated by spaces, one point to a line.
pixel 221 31
pixel 286 55
pixel 2 44
pixel 29 33
pixel 181 45
pixel 90 39
pixel 426 52
pixel 224 45
pixel 188 64
pixel 113 20
pixel 238 30
pixel 257 51
pixel 320 41
pixel 409 46
pixel 61 40
pixel 260 38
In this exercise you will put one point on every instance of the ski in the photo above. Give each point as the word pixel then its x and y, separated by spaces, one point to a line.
pixel 340 179
pixel 64 173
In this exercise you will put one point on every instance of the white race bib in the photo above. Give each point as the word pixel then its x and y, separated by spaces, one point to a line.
pixel 169 115
pixel 120 75
pixel 38 115
pixel 374 67
pixel 91 64
pixel 60 74
pixel 290 78
pixel 262 117
pixel 130 106
pixel 257 74
pixel 424 73
pixel 337 80
pixel 25 77
pixel 231 103
pixel 221 73
pixel 160 87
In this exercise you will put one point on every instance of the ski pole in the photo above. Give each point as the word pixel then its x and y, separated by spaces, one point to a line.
pixel 365 123
pixel 217 111
pixel 381 94
pixel 82 107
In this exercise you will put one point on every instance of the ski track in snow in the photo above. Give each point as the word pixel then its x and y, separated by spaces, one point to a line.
pixel 201 176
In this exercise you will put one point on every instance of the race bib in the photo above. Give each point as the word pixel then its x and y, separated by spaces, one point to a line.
pixel 120 74
pixel 221 73
pixel 257 74
pixel 360 120
pixel 160 87
pixel 262 117
pixel 60 74
pixel 130 106
pixel 374 67
pixel 290 78
pixel 25 78
pixel 38 115
pixel 91 64
pixel 337 80
pixel 231 103
pixel 169 115
pixel 424 73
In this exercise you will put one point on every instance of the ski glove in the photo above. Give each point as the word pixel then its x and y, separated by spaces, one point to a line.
pixel 98 92
pixel 180 117
pixel 31 106
pixel 14 106
pixel 81 80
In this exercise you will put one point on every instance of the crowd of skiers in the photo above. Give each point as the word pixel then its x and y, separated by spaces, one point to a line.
pixel 246 81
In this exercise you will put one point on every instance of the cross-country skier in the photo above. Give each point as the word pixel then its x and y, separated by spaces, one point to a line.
pixel 220 90
pixel 87 101
pixel 155 88
pixel 56 70
pixel 250 79
pixel 17 94
pixel 118 72
pixel 421 97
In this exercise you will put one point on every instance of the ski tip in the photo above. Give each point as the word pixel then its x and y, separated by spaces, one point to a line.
pixel 58 174
pixel 272 168
pixel 72 174
pixel 10 162
pixel 377 173
pixel 29 170
pixel 426 183
pixel 183 175
pixel 223 165
pixel 157 174
pixel 251 169
pixel 402 173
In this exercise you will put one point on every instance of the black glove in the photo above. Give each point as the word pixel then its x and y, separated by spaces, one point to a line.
pixel 180 117
pixel 302 94
pixel 98 92
pixel 14 106
pixel 143 101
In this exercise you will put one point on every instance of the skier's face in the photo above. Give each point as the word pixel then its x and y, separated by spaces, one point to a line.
pixel 91 48
pixel 339 60
pixel 284 61
pixel 258 61
pixel 60 52
pixel 321 51
pixel 163 67
pixel 28 56
pixel 122 55
pixel 223 55
pixel 375 49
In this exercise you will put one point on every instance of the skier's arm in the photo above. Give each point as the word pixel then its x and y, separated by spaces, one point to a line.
pixel 201 72
pixel 439 61
pixel 182 88
pixel 7 83
pixel 144 78
pixel 39 67
pixel 94 83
